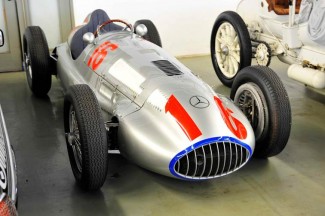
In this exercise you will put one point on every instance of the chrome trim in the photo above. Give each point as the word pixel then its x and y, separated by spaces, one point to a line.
pixel 218 160
pixel 230 158
pixel 195 164
pixel 204 164
pixel 211 155
pixel 225 157
pixel 188 165
pixel 114 151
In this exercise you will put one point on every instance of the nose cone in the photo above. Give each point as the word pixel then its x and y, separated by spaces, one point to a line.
pixel 221 138
pixel 203 115
pixel 210 158
pixel 187 132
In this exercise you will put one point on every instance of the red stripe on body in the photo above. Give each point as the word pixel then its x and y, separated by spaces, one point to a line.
pixel 184 120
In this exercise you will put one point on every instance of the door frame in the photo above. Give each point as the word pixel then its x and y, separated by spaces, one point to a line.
pixel 65 13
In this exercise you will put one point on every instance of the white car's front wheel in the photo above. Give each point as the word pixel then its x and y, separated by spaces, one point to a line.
pixel 230 46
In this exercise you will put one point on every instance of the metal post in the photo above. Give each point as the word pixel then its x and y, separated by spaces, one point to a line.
pixel 292 12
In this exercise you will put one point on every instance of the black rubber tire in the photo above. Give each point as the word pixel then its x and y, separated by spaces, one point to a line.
pixel 278 104
pixel 245 44
pixel 36 47
pixel 92 135
pixel 152 35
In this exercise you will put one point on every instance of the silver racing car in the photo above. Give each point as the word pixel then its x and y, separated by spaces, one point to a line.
pixel 124 93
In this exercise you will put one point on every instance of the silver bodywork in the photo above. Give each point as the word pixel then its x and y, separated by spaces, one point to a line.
pixel 8 175
pixel 169 120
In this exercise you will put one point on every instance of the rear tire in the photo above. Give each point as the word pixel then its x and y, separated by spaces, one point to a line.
pixel 230 45
pixel 260 94
pixel 36 61
pixel 85 137
pixel 152 35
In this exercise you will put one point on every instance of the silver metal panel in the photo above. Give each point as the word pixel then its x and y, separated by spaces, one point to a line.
pixel 129 86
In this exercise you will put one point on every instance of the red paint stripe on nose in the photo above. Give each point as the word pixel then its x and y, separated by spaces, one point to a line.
pixel 234 125
pixel 185 121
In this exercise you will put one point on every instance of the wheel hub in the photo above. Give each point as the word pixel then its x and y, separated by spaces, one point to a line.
pixel 71 137
pixel 28 67
pixel 263 54
pixel 225 50
pixel 250 100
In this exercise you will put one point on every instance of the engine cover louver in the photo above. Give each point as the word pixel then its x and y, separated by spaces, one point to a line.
pixel 168 68
pixel 212 160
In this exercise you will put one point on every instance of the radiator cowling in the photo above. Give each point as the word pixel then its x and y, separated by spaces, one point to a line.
pixel 210 158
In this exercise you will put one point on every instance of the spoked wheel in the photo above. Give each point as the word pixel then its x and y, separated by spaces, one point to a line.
pixel 152 34
pixel 260 94
pixel 85 137
pixel 73 138
pixel 230 46
pixel 36 61
pixel 249 97
pixel 263 54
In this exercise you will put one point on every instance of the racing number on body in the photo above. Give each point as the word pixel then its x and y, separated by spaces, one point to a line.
pixel 184 120
pixel 234 125
pixel 98 56
pixel 190 128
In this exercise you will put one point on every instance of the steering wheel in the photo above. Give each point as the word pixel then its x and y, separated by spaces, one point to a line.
pixel 128 25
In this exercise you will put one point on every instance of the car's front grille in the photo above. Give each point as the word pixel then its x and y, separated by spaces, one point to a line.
pixel 212 160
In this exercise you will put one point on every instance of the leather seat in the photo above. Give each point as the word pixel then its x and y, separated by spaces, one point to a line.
pixel 281 7
pixel 92 21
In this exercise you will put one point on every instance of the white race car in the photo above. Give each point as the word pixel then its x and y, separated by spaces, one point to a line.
pixel 292 30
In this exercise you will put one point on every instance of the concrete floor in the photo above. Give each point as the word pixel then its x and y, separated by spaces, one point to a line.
pixel 292 183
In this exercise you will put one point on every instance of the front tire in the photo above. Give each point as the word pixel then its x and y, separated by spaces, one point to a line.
pixel 36 61
pixel 85 137
pixel 260 94
pixel 230 45
pixel 152 34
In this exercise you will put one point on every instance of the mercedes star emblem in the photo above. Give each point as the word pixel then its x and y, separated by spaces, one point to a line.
pixel 199 102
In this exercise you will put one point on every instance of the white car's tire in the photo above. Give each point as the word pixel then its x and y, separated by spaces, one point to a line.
pixel 230 46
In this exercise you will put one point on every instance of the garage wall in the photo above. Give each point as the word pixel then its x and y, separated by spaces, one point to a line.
pixel 45 14
pixel 184 25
